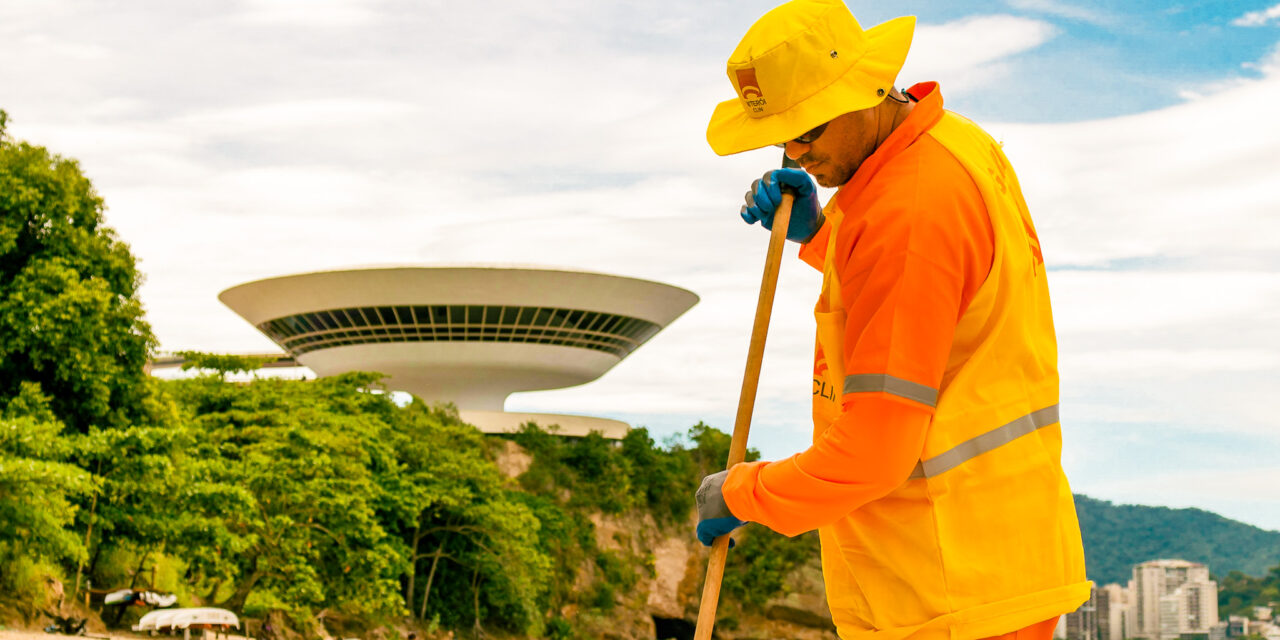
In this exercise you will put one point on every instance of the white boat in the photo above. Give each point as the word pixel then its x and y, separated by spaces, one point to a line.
pixel 117 596
pixel 198 618
pixel 129 596
pixel 159 600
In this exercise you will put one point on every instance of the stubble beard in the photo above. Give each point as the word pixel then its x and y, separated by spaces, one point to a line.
pixel 833 176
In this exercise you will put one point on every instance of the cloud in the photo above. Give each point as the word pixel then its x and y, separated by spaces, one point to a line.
pixel 1064 10
pixel 1258 18
pixel 45 47
pixel 1155 301
pixel 1270 64
pixel 1178 183
pixel 1130 361
pixel 308 13
pixel 1160 232
pixel 316 114
pixel 968 54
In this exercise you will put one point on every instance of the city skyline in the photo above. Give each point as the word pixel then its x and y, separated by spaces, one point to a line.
pixel 1165 599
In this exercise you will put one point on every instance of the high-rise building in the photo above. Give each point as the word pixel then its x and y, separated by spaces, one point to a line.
pixel 1201 605
pixel 1113 605
pixel 1082 624
pixel 1172 598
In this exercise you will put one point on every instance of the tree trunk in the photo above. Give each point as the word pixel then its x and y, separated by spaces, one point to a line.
pixel 431 575
pixel 132 583
pixel 413 565
pixel 93 509
pixel 213 591
pixel 237 599
pixel 475 599
pixel 97 552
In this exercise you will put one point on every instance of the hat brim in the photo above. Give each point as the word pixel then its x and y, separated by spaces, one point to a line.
pixel 732 131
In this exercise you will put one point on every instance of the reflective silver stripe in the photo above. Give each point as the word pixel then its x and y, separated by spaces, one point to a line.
pixel 988 441
pixel 868 382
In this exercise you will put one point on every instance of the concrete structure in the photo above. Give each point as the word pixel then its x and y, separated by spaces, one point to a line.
pixel 1172 598
pixel 471 335
pixel 1082 624
pixel 1267 630
pixel 1240 626
pixel 1113 605
pixel 1237 626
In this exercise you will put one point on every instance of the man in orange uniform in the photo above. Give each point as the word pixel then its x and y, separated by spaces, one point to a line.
pixel 934 478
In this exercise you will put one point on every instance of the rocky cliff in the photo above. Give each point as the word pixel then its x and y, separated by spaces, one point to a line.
pixel 672 565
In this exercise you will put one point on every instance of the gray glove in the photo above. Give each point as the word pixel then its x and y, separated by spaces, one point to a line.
pixel 714 517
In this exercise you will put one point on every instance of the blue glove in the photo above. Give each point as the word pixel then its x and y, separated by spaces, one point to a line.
pixel 714 517
pixel 766 194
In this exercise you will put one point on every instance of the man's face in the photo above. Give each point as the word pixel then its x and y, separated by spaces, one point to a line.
pixel 833 157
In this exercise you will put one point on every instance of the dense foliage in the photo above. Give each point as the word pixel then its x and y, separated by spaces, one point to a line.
pixel 38 488
pixel 73 345
pixel 70 320
pixel 1116 537
pixel 320 496
pixel 1238 593
pixel 641 479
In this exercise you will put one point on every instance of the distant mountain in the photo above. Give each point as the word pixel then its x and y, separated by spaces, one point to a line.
pixel 1118 536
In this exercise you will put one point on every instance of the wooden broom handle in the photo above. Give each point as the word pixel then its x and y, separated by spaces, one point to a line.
pixel 746 403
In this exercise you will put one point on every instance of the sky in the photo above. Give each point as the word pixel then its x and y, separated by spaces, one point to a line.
pixel 240 139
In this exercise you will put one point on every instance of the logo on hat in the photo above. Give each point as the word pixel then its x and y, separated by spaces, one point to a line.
pixel 749 87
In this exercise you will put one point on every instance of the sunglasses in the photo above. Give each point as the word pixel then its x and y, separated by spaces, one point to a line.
pixel 807 137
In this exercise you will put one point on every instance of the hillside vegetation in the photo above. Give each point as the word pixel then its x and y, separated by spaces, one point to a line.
pixel 1116 537
pixel 291 498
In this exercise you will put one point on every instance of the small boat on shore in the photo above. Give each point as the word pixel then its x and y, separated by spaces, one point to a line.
pixel 197 618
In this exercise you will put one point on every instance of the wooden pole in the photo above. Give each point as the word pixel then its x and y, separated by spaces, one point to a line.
pixel 746 403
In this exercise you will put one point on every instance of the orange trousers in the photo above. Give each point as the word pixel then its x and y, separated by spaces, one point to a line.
pixel 1037 631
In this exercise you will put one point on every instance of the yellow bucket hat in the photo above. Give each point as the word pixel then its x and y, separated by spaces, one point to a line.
pixel 803 64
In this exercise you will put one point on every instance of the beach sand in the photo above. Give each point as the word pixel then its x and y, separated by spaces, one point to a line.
pixel 30 634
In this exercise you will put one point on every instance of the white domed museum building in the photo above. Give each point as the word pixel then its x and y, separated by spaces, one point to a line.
pixel 470 335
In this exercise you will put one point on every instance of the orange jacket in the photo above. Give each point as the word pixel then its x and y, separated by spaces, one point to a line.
pixel 924 246
pixel 934 478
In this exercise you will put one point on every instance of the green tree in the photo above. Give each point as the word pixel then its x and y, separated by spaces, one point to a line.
pixel 285 477
pixel 1238 593
pixel 665 476
pixel 139 508
pixel 470 537
pixel 37 488
pixel 567 538
pixel 36 484
pixel 758 567
pixel 602 474
pixel 221 363
pixel 70 319
pixel 710 449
